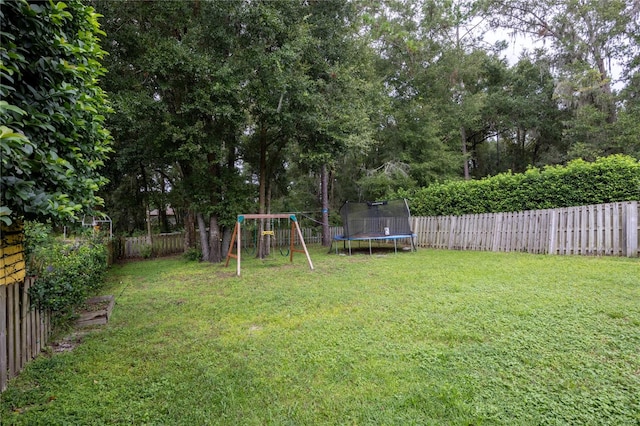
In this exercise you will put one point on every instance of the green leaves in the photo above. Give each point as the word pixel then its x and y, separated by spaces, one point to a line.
pixel 608 179
pixel 67 274
pixel 52 136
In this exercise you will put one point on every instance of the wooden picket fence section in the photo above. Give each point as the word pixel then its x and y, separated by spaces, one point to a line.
pixel 23 331
pixel 602 230
pixel 282 235
pixel 170 244
pixel 163 245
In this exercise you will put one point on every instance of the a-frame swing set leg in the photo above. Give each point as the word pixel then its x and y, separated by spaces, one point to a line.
pixel 296 227
pixel 236 232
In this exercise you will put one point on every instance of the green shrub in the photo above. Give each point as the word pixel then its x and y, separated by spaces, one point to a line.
pixel 146 251
pixel 36 235
pixel 609 179
pixel 192 254
pixel 68 273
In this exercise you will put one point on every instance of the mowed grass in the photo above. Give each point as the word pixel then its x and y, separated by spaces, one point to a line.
pixel 433 337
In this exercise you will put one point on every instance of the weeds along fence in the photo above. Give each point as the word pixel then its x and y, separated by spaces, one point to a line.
pixel 602 230
pixel 23 331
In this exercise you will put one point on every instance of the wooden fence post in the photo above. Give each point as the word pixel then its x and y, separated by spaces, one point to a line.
pixel 631 225
pixel 497 232
pixel 4 364
pixel 452 230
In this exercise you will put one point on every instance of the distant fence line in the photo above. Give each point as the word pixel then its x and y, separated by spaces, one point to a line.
pixel 602 229
pixel 170 244
pixel 23 331
pixel 143 246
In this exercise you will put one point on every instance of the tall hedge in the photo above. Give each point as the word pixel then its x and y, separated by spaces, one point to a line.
pixel 608 179
pixel 52 110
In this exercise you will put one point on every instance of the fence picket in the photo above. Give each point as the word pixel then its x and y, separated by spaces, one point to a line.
pixel 17 326
pixel 608 231
pixel 11 330
pixel 631 229
pixel 23 332
pixel 583 230
pixel 617 249
pixel 4 350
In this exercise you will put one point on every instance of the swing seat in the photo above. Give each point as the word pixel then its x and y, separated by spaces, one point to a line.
pixel 272 233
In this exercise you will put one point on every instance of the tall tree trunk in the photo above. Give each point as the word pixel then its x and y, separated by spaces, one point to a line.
pixel 609 106
pixel 262 194
pixel 523 151
pixel 226 241
pixel 463 137
pixel 147 208
pixel 204 241
pixel 265 225
pixel 215 255
pixel 163 220
pixel 498 152
pixel 324 189
pixel 189 231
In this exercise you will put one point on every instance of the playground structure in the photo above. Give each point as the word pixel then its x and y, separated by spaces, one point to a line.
pixel 376 221
pixel 295 230
pixel 96 224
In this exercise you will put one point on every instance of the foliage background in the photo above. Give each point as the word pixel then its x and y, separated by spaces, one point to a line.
pixel 609 179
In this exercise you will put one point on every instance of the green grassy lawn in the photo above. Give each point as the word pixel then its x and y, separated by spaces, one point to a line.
pixel 433 337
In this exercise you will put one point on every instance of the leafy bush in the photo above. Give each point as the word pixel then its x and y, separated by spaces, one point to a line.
pixel 67 274
pixel 192 254
pixel 52 132
pixel 146 251
pixel 609 179
pixel 37 235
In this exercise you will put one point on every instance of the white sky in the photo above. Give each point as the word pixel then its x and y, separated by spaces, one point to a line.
pixel 520 43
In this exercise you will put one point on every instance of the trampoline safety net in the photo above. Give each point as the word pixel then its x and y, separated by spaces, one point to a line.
pixel 376 219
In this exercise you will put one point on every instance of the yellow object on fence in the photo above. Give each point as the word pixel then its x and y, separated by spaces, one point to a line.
pixel 12 263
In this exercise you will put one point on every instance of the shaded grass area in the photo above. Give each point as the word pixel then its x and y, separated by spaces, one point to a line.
pixel 433 337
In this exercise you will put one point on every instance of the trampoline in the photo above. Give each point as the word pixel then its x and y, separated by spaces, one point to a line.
pixel 375 221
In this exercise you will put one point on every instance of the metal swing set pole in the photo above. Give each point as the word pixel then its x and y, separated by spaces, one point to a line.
pixel 295 227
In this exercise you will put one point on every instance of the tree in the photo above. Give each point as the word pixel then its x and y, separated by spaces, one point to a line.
pixel 524 114
pixel 341 94
pixel 627 129
pixel 412 145
pixel 178 86
pixel 585 38
pixel 304 95
pixel 53 140
pixel 272 41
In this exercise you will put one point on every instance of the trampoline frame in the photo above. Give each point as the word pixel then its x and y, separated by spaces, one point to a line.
pixel 370 238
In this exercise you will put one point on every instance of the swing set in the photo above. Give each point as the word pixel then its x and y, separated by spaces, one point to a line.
pixel 295 229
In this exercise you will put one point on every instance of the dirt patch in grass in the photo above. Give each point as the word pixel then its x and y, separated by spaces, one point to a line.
pixel 69 342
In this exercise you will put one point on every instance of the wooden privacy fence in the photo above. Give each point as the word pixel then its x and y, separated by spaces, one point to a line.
pixel 602 229
pixel 282 236
pixel 168 244
pixel 159 245
pixel 23 331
